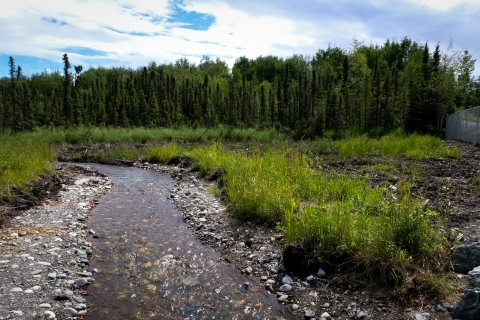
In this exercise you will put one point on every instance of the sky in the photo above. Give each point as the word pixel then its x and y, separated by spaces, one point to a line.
pixel 133 33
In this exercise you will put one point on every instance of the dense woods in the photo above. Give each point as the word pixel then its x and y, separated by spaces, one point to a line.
pixel 402 84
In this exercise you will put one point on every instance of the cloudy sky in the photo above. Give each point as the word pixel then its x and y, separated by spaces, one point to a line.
pixel 132 33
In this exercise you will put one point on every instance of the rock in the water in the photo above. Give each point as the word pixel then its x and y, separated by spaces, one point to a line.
pixel 49 314
pixel 474 277
pixel 465 257
pixel 469 306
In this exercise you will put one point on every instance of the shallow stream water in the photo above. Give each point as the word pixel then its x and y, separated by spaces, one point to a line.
pixel 150 265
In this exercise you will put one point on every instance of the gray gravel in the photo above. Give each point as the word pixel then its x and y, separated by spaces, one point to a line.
pixel 41 273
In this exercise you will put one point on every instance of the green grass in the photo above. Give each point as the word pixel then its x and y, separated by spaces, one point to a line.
pixel 414 146
pixel 89 135
pixel 386 234
pixel 22 160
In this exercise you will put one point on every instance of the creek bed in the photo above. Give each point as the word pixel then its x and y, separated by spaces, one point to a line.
pixel 150 265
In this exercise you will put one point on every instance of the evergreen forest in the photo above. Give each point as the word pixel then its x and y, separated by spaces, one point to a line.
pixel 401 84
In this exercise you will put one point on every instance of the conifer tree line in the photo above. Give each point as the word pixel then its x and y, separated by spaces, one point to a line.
pixel 402 84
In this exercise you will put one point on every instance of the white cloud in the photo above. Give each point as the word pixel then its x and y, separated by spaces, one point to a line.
pixel 444 5
pixel 241 27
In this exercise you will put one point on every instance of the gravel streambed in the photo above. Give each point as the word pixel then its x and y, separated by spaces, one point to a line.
pixel 44 254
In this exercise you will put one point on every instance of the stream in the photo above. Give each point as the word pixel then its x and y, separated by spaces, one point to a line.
pixel 150 265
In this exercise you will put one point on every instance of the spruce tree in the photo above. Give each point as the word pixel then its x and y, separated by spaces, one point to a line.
pixel 67 92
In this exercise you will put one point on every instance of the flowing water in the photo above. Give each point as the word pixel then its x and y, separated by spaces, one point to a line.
pixel 151 266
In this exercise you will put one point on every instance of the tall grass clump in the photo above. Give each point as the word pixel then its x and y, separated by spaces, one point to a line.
pixel 260 184
pixel 23 160
pixel 414 146
pixel 388 239
pixel 162 153
pixel 89 134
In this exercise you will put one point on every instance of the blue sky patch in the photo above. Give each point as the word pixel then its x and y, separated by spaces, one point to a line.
pixel 84 52
pixel 30 65
pixel 133 33
pixel 55 21
pixel 191 19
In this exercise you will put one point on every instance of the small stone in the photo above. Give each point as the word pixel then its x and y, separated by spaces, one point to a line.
pixel 361 314
pixel 80 306
pixel 440 308
pixel 448 306
pixel 70 311
pixel 282 298
pixel 80 282
pixel 325 316
pixel 310 278
pixel 44 305
pixel 36 288
pixel 16 290
pixel 295 306
pixel 309 314
pixel 49 314
pixel 287 279
pixel 28 291
pixel 82 312
pixel 248 270
pixel 52 275
pixel 285 288
pixel 321 273
pixel 35 272
pixel 421 316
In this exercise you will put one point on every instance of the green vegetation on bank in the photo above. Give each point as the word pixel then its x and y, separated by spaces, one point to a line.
pixel 22 160
pixel 381 231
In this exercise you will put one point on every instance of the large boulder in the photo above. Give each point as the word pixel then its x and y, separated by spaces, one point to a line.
pixel 466 257
pixel 469 306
